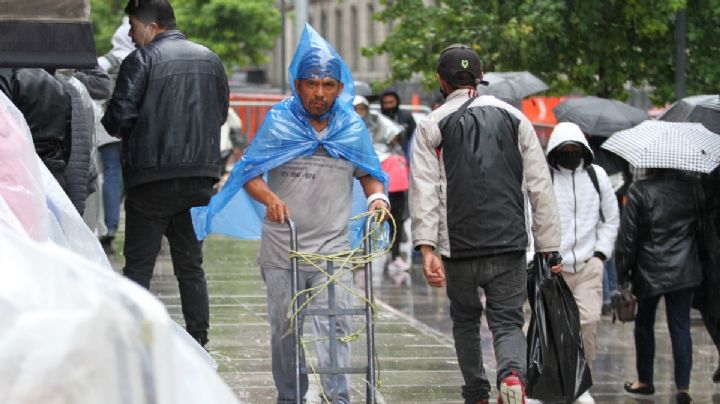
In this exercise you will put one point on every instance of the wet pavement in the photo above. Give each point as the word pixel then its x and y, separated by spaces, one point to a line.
pixel 413 334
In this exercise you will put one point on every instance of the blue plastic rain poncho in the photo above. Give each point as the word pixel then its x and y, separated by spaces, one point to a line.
pixel 287 134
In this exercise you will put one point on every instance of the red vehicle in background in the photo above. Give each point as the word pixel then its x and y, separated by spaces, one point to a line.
pixel 539 111
pixel 252 107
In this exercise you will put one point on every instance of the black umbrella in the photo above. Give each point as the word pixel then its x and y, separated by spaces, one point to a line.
pixel 599 116
pixel 511 86
pixel 44 33
pixel 704 109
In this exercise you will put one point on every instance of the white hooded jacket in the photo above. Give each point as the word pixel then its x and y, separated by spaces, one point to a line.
pixel 583 230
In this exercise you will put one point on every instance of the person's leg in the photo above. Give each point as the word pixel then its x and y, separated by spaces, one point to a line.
pixel 645 339
pixel 397 209
pixel 712 325
pixel 186 253
pixel 321 331
pixel 611 270
pixel 586 285
pixel 606 287
pixel 505 293
pixel 279 295
pixel 143 234
pixel 677 307
pixel 112 185
pixel 465 312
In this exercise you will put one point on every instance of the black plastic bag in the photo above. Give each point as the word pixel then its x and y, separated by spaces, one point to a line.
pixel 557 368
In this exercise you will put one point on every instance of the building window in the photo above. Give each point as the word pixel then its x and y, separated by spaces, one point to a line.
pixel 323 24
pixel 371 35
pixel 354 50
pixel 339 32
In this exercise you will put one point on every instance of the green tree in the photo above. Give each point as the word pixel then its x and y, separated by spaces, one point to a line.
pixel 590 46
pixel 239 31
pixel 703 48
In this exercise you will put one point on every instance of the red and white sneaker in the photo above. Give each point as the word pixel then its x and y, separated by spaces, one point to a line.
pixel 512 390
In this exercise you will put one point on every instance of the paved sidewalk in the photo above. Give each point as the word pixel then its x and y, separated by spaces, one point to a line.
pixel 413 334
pixel 417 363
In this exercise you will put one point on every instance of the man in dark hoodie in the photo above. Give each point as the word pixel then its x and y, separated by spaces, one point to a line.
pixel 390 107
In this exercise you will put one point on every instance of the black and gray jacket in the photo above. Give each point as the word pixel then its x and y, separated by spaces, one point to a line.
pixel 48 116
pixel 471 182
pixel 170 99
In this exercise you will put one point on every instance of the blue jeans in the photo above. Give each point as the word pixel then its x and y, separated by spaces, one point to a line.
pixel 504 280
pixel 677 306
pixel 610 280
pixel 112 184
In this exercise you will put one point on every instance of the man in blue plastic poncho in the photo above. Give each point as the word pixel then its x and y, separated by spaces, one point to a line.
pixel 312 146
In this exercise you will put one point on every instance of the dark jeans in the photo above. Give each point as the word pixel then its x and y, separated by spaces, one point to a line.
pixel 112 184
pixel 397 209
pixel 163 208
pixel 610 280
pixel 677 307
pixel 503 278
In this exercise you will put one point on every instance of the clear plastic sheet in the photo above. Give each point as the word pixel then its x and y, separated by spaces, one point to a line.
pixel 557 368
pixel 33 195
pixel 75 333
pixel 287 134
pixel 21 185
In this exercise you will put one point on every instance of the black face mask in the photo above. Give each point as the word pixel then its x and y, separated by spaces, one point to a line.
pixel 443 93
pixel 569 159
pixel 390 112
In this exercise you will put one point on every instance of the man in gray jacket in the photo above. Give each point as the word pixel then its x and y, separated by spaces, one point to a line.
pixel 476 162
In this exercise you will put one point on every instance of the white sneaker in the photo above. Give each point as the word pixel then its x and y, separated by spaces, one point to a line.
pixel 532 401
pixel 585 398
pixel 401 264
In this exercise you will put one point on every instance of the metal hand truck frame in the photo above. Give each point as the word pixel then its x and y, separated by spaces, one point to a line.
pixel 332 312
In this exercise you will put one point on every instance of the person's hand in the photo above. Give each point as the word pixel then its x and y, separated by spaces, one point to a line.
pixel 382 207
pixel 432 267
pixel 277 211
pixel 554 259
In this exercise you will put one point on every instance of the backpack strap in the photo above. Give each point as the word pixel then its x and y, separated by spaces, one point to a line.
pixel 594 179
pixel 457 114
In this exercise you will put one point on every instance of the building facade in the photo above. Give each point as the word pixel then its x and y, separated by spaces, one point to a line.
pixel 349 26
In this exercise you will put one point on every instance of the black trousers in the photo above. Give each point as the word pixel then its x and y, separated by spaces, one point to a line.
pixel 712 325
pixel 398 200
pixel 163 208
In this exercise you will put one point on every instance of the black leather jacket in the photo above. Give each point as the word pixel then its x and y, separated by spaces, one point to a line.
pixel 46 108
pixel 657 248
pixel 170 99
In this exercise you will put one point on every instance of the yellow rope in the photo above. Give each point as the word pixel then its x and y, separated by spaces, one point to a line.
pixel 349 262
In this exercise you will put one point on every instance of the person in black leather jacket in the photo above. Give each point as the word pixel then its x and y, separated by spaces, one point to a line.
pixel 657 252
pixel 170 99
pixel 46 108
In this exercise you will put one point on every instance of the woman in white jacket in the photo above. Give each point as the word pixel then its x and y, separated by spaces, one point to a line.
pixel 589 218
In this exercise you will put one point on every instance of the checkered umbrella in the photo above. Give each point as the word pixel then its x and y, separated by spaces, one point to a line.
pixel 657 144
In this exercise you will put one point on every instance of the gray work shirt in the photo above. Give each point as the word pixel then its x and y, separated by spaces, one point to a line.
pixel 318 191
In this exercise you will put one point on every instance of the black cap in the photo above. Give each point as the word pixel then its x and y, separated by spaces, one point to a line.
pixel 459 58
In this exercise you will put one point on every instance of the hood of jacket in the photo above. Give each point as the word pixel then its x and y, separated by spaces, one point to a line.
pixel 567 132
pixel 121 41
